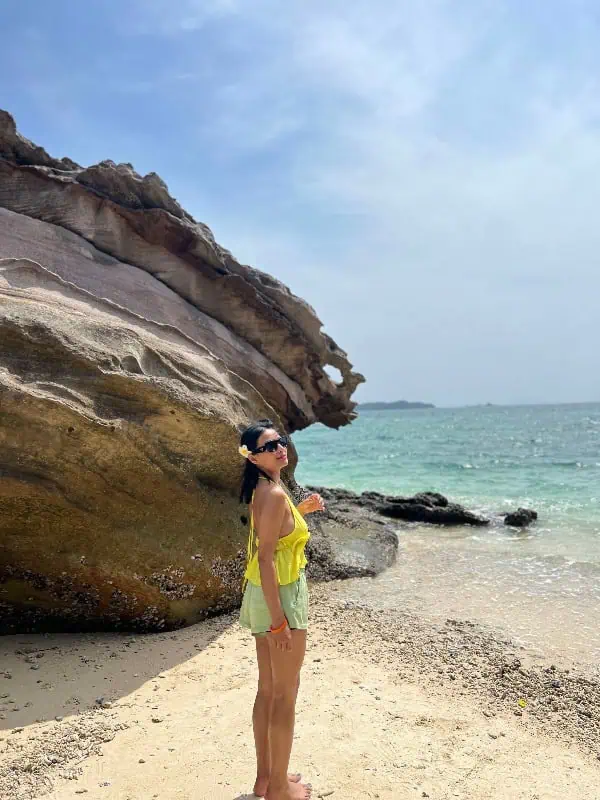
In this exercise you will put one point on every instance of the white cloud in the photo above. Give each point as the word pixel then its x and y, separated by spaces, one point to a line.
pixel 168 18
pixel 425 162
pixel 455 224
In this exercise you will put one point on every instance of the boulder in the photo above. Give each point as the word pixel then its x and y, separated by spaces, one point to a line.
pixel 430 507
pixel 433 499
pixel 133 348
pixel 450 514
pixel 346 542
pixel 520 518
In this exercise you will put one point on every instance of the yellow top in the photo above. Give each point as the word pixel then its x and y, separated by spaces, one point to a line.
pixel 289 551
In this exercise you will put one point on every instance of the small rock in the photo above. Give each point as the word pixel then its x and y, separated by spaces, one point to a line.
pixel 156 719
pixel 141 761
pixel 520 518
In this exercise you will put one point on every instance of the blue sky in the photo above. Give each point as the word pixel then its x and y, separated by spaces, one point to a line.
pixel 425 174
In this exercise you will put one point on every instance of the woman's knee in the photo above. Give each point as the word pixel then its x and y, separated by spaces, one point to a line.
pixel 285 690
pixel 265 689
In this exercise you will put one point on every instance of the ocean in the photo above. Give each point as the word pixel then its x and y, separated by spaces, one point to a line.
pixel 541 586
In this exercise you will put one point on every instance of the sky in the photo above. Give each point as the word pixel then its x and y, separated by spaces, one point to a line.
pixel 426 174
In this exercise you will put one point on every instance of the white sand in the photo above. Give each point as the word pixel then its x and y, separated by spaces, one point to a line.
pixel 361 731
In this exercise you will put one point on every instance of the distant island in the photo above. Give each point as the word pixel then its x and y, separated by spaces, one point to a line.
pixel 395 406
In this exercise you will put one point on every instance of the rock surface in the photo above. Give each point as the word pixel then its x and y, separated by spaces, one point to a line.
pixel 429 507
pixel 520 518
pixel 357 545
pixel 133 348
pixel 420 509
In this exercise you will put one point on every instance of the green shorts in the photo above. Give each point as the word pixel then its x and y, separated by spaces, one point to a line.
pixel 255 614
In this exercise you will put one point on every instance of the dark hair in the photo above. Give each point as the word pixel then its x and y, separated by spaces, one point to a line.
pixel 252 473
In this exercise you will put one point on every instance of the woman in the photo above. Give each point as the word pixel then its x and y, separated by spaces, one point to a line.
pixel 275 605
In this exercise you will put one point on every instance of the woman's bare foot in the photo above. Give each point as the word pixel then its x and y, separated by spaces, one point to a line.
pixel 262 784
pixel 293 791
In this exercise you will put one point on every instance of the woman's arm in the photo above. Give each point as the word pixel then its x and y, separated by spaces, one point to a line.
pixel 271 521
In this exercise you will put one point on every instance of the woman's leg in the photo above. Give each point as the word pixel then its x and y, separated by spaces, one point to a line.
pixel 261 718
pixel 285 670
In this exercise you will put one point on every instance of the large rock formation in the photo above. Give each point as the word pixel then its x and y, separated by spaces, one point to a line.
pixel 428 507
pixel 132 349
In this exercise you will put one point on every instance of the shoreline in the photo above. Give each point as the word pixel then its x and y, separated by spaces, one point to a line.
pixel 502 577
pixel 432 708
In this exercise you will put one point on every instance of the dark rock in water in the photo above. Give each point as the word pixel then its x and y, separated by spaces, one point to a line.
pixel 520 518
pixel 431 499
pixel 368 497
pixel 430 507
pixel 451 514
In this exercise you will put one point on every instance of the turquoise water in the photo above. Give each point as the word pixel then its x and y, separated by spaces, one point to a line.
pixel 543 585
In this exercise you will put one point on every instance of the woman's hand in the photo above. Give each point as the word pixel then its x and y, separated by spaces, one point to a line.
pixel 311 504
pixel 283 640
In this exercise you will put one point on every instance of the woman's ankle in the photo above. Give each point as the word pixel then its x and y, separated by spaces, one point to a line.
pixel 278 781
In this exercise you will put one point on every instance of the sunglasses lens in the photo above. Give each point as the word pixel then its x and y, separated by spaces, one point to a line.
pixel 271 447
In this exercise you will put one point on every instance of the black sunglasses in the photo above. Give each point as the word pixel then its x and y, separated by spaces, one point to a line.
pixel 271 447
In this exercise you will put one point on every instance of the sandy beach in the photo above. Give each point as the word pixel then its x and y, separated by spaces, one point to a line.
pixel 389 708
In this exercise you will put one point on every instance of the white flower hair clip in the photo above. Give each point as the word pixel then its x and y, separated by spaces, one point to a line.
pixel 243 451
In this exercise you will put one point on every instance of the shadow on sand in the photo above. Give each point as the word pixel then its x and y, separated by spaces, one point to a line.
pixel 43 676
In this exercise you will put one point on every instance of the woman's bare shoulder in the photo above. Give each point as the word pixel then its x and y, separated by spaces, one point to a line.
pixel 269 496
